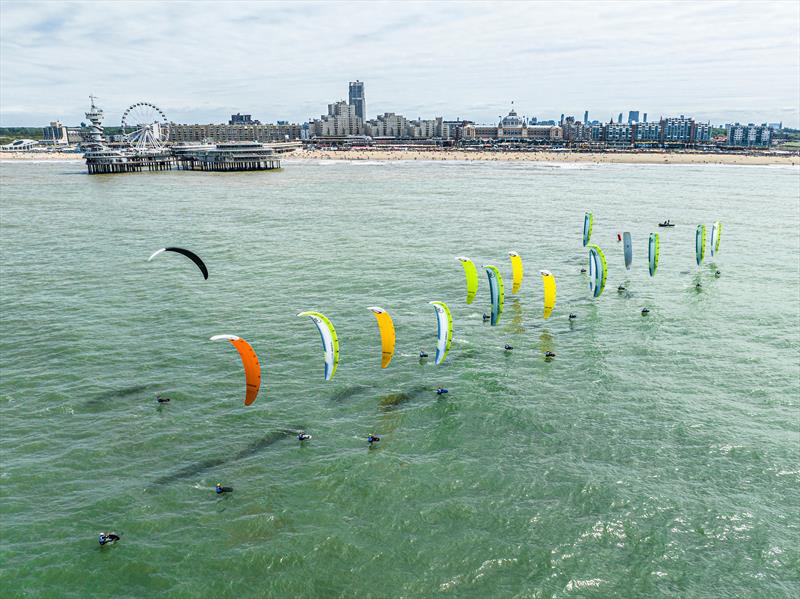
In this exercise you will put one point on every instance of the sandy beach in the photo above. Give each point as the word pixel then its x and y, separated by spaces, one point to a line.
pixel 549 156
pixel 37 156
pixel 543 156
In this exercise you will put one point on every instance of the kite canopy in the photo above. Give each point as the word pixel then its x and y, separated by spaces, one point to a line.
pixel 588 219
pixel 716 231
pixel 191 255
pixel 386 328
pixel 252 369
pixel 598 270
pixel 700 243
pixel 628 249
pixel 444 331
pixel 330 342
pixel 471 274
pixel 652 253
pixel 549 282
pixel 496 292
pixel 516 271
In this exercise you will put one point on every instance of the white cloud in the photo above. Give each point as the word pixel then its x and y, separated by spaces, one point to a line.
pixel 200 61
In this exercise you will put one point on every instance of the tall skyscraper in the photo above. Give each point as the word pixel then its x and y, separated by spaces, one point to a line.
pixel 357 99
pixel 644 120
pixel 633 116
pixel 586 117
pixel 619 118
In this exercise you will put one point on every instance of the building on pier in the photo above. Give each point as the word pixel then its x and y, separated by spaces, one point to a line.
pixel 234 156
pixel 94 133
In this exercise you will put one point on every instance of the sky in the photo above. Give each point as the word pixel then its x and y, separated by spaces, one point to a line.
pixel 718 60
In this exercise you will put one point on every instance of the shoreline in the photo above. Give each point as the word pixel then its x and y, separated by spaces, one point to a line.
pixel 38 156
pixel 549 156
pixel 465 155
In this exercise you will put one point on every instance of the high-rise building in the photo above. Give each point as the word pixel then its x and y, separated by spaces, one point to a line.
pixel 648 132
pixel 677 129
pixel 455 129
pixel 618 134
pixel 341 120
pixel 644 120
pixel 388 124
pixel 633 116
pixel 586 117
pixel 575 131
pixel 701 133
pixel 749 135
pixel 429 128
pixel 242 119
pixel 619 118
pixel 55 134
pixel 357 99
pixel 684 130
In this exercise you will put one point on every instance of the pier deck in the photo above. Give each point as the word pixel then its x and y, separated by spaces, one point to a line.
pixel 106 163
pixel 224 157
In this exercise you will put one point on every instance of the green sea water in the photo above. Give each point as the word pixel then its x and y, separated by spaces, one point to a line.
pixel 655 456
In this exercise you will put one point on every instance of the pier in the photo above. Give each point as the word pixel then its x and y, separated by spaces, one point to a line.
pixel 224 157
pixel 104 161
pixel 145 147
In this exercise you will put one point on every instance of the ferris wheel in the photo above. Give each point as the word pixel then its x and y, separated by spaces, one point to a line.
pixel 145 126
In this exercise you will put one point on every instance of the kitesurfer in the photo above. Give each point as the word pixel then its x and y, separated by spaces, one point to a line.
pixel 191 255
pixel 107 537
pixel 160 399
pixel 441 391
pixel 423 354
pixel 302 436
pixel 583 270
pixel 621 288
pixel 717 274
pixel 507 347
pixel 220 489
pixel 572 316
pixel 372 439
pixel 486 317
pixel 548 355
pixel 698 286
pixel 252 368
pixel 645 311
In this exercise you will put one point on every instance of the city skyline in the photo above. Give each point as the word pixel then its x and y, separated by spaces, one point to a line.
pixel 724 62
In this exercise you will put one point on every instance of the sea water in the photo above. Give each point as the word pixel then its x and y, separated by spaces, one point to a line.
pixel 654 456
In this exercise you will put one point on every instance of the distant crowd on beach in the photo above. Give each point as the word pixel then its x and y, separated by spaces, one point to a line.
pixel 639 157
pixel 435 154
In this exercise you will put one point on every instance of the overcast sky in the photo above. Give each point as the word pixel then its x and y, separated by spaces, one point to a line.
pixel 201 61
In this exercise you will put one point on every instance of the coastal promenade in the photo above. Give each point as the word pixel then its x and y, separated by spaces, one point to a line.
pixel 488 155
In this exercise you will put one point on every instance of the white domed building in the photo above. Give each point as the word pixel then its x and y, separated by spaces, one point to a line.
pixel 512 127
pixel 512 121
